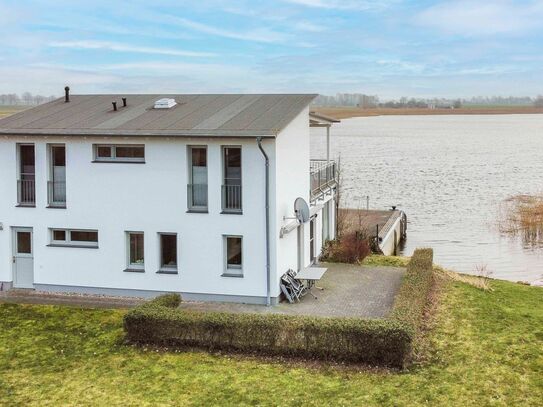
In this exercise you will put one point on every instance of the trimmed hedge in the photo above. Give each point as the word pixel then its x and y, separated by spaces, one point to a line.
pixel 413 295
pixel 386 342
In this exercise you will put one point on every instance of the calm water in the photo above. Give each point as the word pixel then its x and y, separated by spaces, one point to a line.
pixel 449 174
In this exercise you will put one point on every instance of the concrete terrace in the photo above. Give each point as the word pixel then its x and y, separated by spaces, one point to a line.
pixel 348 291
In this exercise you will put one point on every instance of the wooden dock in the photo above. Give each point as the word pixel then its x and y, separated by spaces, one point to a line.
pixel 385 228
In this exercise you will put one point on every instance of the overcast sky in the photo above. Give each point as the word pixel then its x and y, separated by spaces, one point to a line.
pixel 390 48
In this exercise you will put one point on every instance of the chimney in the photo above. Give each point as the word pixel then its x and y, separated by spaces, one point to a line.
pixel 66 94
pixel 124 102
pixel 114 106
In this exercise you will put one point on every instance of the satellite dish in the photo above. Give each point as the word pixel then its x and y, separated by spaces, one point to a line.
pixel 301 209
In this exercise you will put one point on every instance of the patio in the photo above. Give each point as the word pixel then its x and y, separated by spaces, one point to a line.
pixel 348 291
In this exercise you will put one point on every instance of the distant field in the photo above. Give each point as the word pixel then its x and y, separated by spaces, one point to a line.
pixel 8 110
pixel 346 112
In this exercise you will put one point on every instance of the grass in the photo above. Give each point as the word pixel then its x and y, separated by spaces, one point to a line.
pixel 485 350
pixel 389 261
pixel 9 110
pixel 345 112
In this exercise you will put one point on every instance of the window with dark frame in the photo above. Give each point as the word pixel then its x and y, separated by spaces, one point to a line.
pixel 74 238
pixel 231 189
pixel 234 256
pixel 168 252
pixel 26 183
pixel 136 259
pixel 56 185
pixel 119 153
pixel 197 188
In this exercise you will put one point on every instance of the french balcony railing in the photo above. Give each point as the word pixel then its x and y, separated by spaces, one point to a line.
pixel 26 192
pixel 323 177
pixel 56 194
pixel 197 197
pixel 231 198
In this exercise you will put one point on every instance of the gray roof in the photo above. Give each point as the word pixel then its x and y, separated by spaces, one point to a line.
pixel 194 115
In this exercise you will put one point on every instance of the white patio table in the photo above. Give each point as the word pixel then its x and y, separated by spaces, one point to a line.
pixel 311 275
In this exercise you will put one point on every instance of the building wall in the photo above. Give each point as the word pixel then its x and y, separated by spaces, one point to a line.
pixel 151 197
pixel 292 146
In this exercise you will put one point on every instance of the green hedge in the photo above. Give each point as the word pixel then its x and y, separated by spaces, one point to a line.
pixel 385 342
pixel 382 342
pixel 412 297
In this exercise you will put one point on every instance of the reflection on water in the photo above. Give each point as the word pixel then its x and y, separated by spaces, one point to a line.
pixel 451 175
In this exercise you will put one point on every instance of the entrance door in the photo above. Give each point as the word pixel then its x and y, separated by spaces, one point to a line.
pixel 23 259
pixel 312 240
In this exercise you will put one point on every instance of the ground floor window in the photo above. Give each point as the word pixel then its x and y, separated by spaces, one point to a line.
pixel 74 238
pixel 233 256
pixel 135 251
pixel 168 252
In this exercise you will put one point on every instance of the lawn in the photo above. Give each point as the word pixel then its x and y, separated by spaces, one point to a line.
pixel 486 350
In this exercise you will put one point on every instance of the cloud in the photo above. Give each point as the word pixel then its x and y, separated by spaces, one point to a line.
pixel 258 35
pixel 113 46
pixel 361 5
pixel 483 18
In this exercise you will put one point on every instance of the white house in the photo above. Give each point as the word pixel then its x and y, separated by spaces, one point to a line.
pixel 145 194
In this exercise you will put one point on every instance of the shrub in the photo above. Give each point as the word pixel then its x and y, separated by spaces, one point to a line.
pixel 352 247
pixel 172 300
pixel 413 295
pixel 377 342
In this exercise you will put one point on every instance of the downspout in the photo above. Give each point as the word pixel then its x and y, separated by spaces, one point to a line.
pixel 268 276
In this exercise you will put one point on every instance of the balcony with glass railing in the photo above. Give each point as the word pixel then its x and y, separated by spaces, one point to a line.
pixel 323 177
pixel 197 197
pixel 56 194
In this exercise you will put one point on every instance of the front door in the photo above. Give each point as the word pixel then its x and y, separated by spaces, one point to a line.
pixel 23 259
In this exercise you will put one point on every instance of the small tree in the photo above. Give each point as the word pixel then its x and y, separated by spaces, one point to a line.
pixel 538 102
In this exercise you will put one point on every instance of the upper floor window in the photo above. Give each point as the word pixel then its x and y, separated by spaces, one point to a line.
pixel 197 187
pixel 231 188
pixel 124 153
pixel 74 238
pixel 26 177
pixel 56 185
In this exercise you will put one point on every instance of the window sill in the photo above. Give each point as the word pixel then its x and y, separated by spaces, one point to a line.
pixel 25 206
pixel 72 246
pixel 232 212
pixel 117 162
pixel 197 211
pixel 235 275
pixel 132 270
pixel 56 207
pixel 167 271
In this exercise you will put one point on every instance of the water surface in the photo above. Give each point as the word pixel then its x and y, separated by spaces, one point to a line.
pixel 450 174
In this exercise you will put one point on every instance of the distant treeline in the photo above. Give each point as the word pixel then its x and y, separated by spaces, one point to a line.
pixel 372 101
pixel 25 99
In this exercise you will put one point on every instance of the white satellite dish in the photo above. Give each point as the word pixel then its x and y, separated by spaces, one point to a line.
pixel 301 209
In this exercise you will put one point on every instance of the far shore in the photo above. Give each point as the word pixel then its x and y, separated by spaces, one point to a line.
pixel 344 112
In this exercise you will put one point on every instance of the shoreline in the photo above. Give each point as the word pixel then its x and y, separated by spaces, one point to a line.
pixel 350 112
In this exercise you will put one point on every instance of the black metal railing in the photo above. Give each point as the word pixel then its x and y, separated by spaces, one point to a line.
pixel 323 175
pixel 197 196
pixel 26 191
pixel 56 193
pixel 231 198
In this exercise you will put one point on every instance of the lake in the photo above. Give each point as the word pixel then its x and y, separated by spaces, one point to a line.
pixel 450 174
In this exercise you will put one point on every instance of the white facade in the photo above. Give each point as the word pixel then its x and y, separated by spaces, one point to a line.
pixel 151 197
